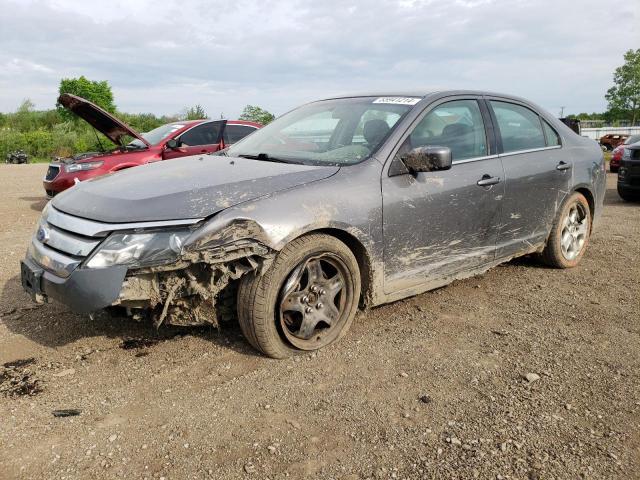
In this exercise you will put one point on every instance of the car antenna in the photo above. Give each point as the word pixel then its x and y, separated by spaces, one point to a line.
pixel 98 138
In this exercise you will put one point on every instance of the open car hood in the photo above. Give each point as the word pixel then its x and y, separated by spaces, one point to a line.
pixel 101 120
pixel 189 187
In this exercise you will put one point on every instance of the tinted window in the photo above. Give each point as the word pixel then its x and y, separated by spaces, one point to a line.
pixel 206 134
pixel 457 125
pixel 553 139
pixel 235 133
pixel 520 127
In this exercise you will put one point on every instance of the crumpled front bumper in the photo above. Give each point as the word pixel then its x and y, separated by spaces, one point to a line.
pixel 85 290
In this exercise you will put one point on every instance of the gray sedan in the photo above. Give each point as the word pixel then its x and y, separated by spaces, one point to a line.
pixel 341 203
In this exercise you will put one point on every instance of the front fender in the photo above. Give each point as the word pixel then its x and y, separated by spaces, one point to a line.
pixel 349 201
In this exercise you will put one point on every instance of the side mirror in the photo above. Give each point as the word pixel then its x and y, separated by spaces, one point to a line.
pixel 427 159
pixel 173 144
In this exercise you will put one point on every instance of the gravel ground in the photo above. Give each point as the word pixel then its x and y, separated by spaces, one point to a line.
pixel 522 373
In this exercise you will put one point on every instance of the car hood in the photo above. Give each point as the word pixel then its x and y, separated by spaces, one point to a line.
pixel 189 187
pixel 101 120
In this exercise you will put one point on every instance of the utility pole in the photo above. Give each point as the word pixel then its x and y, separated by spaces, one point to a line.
pixel 561 112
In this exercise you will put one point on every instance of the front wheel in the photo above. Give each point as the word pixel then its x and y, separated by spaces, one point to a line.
pixel 628 196
pixel 570 233
pixel 306 300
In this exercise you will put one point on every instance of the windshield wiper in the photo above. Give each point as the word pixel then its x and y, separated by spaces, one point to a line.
pixel 267 158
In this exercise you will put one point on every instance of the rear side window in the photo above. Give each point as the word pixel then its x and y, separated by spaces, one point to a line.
pixel 235 133
pixel 205 134
pixel 553 139
pixel 520 128
pixel 457 124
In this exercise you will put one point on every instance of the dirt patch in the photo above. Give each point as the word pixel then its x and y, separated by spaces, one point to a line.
pixel 137 343
pixel 18 379
pixel 522 373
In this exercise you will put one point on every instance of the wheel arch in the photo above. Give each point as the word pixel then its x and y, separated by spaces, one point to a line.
pixel 588 194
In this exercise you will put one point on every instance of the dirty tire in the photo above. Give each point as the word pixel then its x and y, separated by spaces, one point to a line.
pixel 260 297
pixel 628 196
pixel 553 254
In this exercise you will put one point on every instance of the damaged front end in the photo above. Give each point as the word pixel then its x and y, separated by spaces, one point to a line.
pixel 181 272
pixel 197 290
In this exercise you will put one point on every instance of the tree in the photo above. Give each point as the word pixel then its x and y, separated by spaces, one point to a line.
pixel 253 113
pixel 94 91
pixel 624 96
pixel 194 113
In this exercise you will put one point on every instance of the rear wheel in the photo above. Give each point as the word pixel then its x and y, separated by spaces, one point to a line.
pixel 570 233
pixel 305 301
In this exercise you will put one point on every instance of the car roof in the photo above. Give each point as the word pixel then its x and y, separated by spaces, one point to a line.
pixel 190 123
pixel 426 93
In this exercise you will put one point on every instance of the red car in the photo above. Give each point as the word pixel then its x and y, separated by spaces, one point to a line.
pixel 173 140
pixel 616 155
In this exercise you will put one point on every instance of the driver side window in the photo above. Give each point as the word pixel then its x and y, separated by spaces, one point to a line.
pixel 457 124
pixel 205 134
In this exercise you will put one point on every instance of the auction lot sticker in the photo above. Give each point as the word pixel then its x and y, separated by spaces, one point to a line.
pixel 398 100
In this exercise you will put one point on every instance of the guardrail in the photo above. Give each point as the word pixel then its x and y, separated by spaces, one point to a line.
pixel 596 133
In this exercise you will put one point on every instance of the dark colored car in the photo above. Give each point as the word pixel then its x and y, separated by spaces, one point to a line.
pixel 629 173
pixel 173 140
pixel 348 201
pixel 616 155
pixel 572 123
pixel 612 140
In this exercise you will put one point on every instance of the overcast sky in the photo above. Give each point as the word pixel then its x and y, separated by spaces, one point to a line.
pixel 160 56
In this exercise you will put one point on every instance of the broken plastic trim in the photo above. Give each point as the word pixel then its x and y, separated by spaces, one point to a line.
pixel 187 292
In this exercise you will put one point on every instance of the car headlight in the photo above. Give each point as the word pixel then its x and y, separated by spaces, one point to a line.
pixel 139 249
pixel 81 167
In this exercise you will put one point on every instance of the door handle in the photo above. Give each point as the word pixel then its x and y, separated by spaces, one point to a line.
pixel 562 166
pixel 488 180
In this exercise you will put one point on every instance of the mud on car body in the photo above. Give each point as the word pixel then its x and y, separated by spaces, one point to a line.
pixel 345 202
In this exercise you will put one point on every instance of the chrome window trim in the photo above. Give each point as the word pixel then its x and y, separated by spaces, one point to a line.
pixel 473 159
pixel 499 155
pixel 91 228
pixel 531 150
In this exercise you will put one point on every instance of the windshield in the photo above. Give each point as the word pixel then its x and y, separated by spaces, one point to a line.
pixel 334 132
pixel 156 135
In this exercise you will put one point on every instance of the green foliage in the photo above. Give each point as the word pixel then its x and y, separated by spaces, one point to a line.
pixel 144 122
pixel 253 113
pixel 624 96
pixel 94 91
pixel 194 113
pixel 46 134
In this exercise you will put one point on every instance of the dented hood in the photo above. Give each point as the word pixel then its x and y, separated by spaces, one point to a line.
pixel 101 120
pixel 188 187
